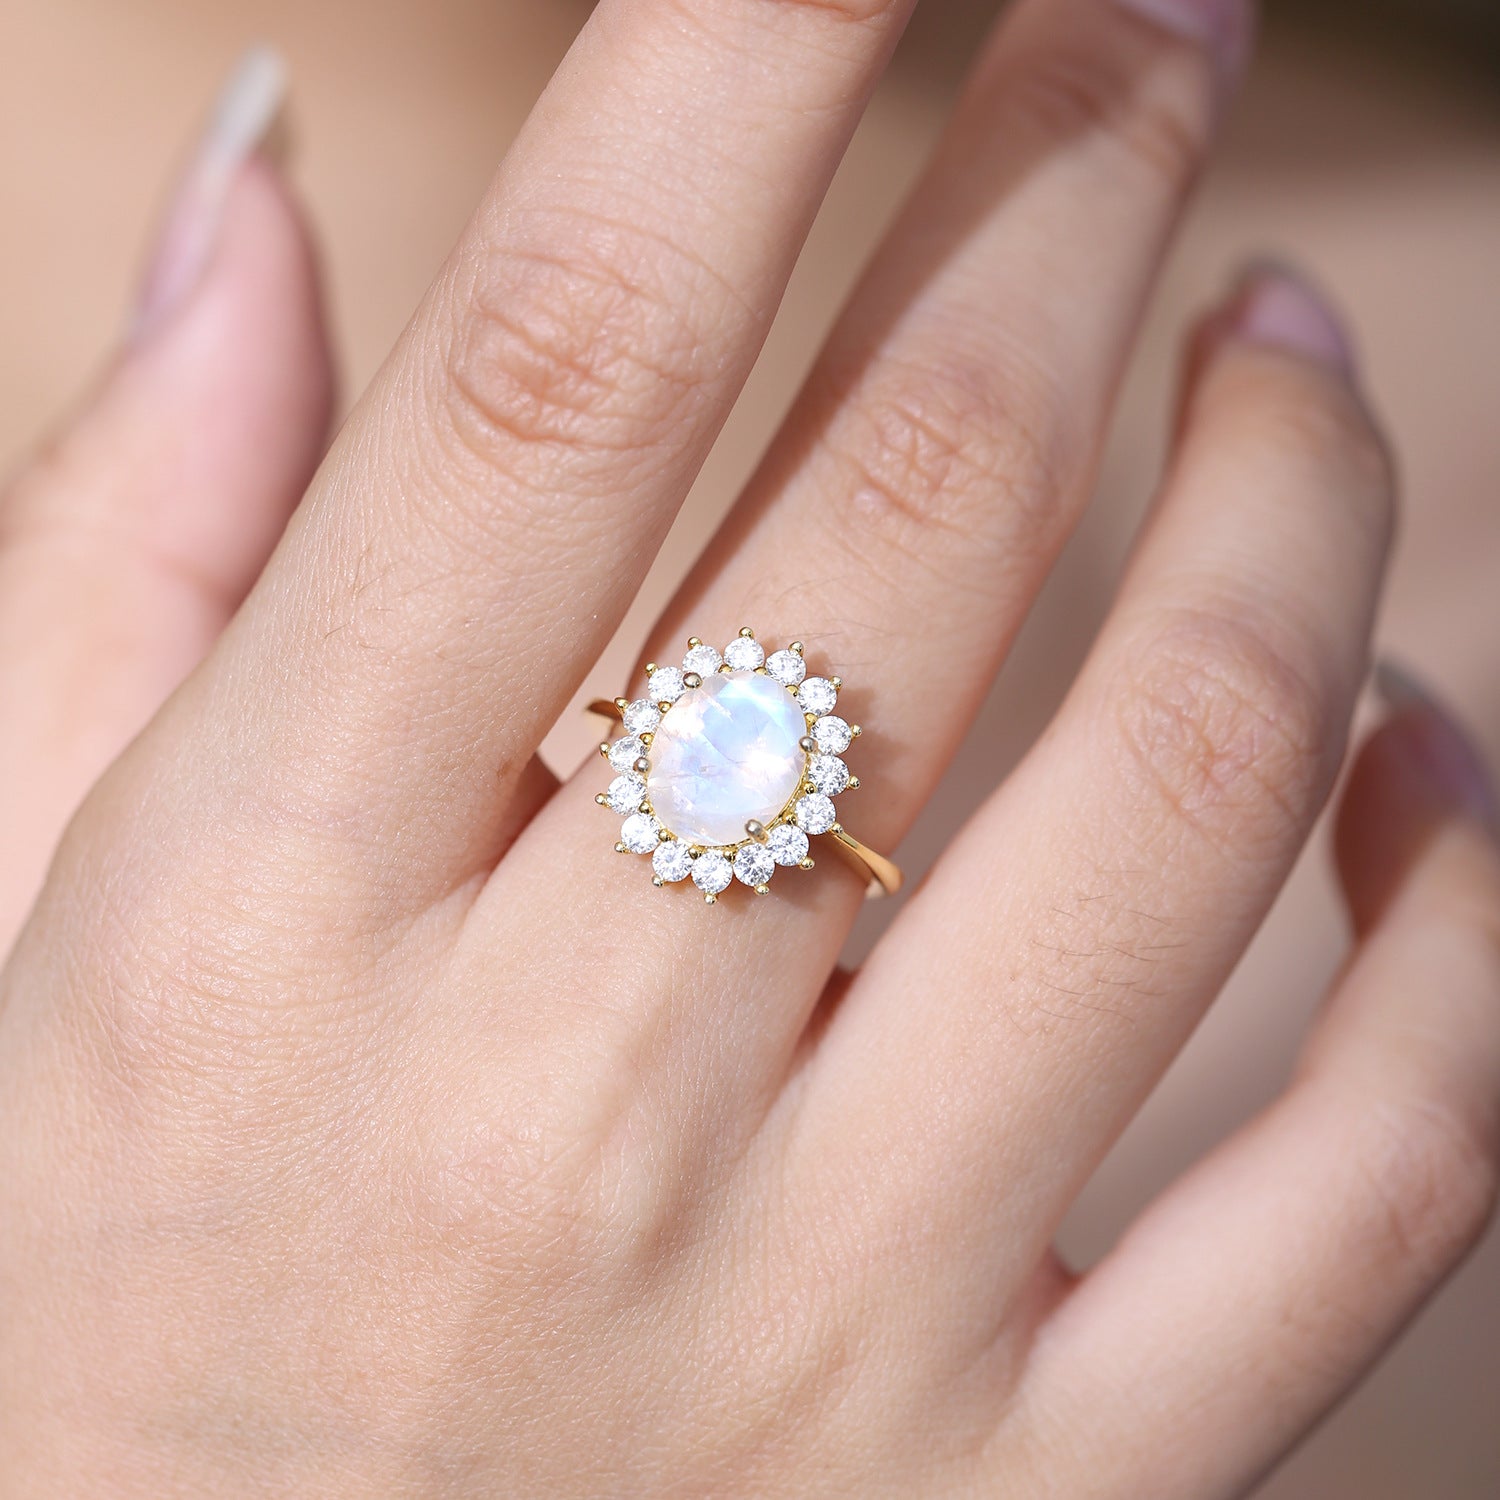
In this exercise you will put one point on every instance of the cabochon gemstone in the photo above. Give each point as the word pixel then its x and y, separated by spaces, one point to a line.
pixel 727 752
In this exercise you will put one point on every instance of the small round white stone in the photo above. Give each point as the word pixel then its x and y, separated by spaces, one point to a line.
pixel 666 685
pixel 754 864
pixel 711 872
pixel 832 735
pixel 730 751
pixel 828 774
pixel 788 844
pixel 703 660
pixel 815 813
pixel 744 655
pixel 786 667
pixel 642 716
pixel 623 754
pixel 817 695
pixel 625 794
pixel 672 861
pixel 640 833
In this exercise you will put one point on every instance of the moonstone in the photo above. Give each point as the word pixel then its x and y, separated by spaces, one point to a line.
pixel 727 752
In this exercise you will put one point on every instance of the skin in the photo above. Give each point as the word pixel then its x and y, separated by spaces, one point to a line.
pixel 368 1128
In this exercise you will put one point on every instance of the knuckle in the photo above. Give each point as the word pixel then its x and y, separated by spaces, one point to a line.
pixel 579 354
pixel 1432 1179
pixel 1228 732
pixel 1161 123
pixel 934 458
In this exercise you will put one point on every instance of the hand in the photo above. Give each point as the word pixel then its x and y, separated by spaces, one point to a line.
pixel 367 1127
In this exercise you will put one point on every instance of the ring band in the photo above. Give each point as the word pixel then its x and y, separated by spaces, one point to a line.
pixel 728 766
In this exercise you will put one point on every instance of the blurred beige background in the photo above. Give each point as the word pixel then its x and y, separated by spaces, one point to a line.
pixel 1368 147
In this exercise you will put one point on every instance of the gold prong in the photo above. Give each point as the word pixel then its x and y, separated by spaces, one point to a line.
pixel 663 706
pixel 710 900
pixel 746 631
pixel 807 864
pixel 622 704
pixel 604 749
pixel 855 731
pixel 646 808
pixel 641 765
pixel 621 849
pixel 853 784
pixel 662 836
pixel 807 744
pixel 837 828
pixel 757 831
pixel 762 890
pixel 657 881
pixel 724 667
pixel 647 738
pixel 693 642
pixel 602 800
pixel 692 680
pixel 795 648
pixel 837 682
pixel 650 668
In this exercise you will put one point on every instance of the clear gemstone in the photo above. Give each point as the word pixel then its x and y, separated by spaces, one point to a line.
pixel 787 668
pixel 817 695
pixel 832 735
pixel 754 864
pixel 640 834
pixel 623 754
pixel 711 872
pixel 642 716
pixel 666 685
pixel 828 774
pixel 672 861
pixel 743 654
pixel 788 844
pixel 728 752
pixel 625 794
pixel 703 660
pixel 815 813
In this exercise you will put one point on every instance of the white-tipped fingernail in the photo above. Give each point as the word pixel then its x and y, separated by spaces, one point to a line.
pixel 242 117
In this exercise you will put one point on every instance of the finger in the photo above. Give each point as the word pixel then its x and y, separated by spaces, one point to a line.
pixel 490 509
pixel 912 506
pixel 127 542
pixel 1080 924
pixel 1259 1288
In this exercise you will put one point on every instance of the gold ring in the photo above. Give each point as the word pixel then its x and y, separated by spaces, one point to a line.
pixel 728 767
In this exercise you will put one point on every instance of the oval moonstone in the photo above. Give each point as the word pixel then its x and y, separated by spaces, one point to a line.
pixel 727 752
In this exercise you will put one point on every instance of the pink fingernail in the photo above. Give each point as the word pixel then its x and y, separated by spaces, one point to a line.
pixel 1222 26
pixel 1279 309
pixel 242 117
pixel 1438 747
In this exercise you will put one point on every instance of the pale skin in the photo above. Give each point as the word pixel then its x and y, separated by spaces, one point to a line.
pixel 369 1127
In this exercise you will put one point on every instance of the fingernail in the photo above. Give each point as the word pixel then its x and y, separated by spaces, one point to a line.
pixel 242 118
pixel 1224 27
pixel 1279 309
pixel 1438 749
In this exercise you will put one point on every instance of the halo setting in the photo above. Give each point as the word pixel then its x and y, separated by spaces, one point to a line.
pixel 727 765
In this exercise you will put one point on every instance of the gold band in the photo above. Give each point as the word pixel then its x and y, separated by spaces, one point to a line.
pixel 884 875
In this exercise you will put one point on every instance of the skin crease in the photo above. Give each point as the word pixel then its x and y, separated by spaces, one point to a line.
pixel 337 1156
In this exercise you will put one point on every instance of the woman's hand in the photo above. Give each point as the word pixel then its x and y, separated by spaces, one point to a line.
pixel 368 1128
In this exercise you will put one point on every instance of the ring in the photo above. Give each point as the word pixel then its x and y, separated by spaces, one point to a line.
pixel 729 765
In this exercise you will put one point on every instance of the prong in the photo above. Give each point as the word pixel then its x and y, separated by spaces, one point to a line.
pixel 710 900
pixel 641 766
pixel 622 704
pixel 757 831
pixel 662 836
pixel 807 744
pixel 724 667
pixel 693 642
pixel 663 706
pixel 692 680
pixel 657 881
pixel 762 890
pixel 837 682
pixel 837 828
pixel 807 864
pixel 650 668
pixel 602 800
pixel 646 808
pixel 746 631
pixel 853 784
pixel 621 849
pixel 604 749
pixel 855 731
pixel 647 738
pixel 795 648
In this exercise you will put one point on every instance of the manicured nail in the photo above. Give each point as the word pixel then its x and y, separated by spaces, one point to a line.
pixel 1278 308
pixel 1438 748
pixel 1224 27
pixel 242 117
